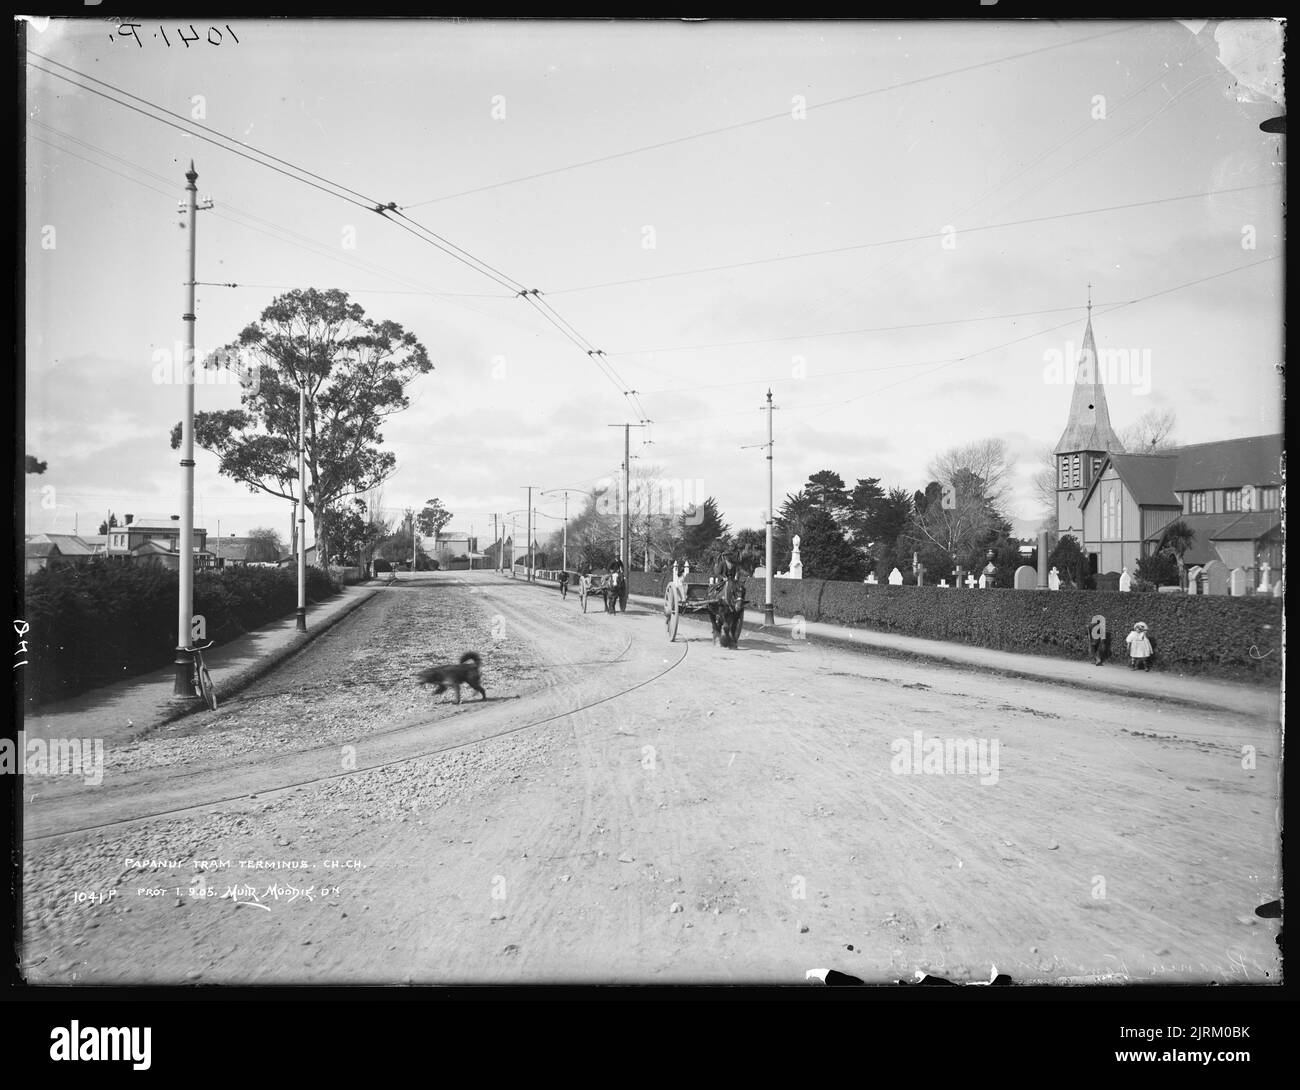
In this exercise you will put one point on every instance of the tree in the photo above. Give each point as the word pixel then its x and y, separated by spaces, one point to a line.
pixel 958 517
pixel 1069 561
pixel 355 371
pixel 1177 538
pixel 1151 433
pixel 433 518
pixel 35 466
pixel 265 546
pixel 825 552
pixel 1160 569
pixel 865 503
pixel 826 490
pixel 1044 485
pixel 111 522
pixel 883 529
pixel 701 527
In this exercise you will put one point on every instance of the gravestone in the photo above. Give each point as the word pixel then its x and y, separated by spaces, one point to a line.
pixel 1125 580
pixel 943 582
pixel 1277 589
pixel 796 564
pixel 1216 577
pixel 760 572
pixel 984 582
pixel 1026 578
pixel 1053 580
pixel 871 580
pixel 970 581
pixel 1264 585
pixel 1237 582
pixel 1196 580
pixel 895 578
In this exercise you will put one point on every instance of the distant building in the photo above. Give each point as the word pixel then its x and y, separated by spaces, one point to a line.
pixel 1118 505
pixel 155 539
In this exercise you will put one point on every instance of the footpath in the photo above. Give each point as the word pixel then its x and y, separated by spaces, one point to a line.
pixel 1247 698
pixel 127 709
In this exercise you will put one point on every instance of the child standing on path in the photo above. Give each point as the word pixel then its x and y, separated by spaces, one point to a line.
pixel 1139 647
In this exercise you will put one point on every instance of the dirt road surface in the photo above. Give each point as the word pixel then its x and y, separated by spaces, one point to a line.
pixel 623 808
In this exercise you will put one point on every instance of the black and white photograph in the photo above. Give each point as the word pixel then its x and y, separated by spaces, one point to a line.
pixel 573 502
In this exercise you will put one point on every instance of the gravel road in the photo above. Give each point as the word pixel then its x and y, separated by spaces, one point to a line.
pixel 623 808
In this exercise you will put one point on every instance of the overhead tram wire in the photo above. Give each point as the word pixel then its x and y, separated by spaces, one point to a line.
pixel 770 117
pixel 336 190
pixel 909 238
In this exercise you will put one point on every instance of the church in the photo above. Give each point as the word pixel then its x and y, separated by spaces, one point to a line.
pixel 1118 504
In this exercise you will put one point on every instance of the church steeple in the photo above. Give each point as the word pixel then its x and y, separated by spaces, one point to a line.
pixel 1087 439
pixel 1089 427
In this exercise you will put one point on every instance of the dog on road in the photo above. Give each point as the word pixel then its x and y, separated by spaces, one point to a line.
pixel 465 673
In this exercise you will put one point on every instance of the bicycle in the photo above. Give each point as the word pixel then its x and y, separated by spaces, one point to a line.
pixel 201 679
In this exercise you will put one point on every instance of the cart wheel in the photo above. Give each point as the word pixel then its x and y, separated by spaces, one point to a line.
pixel 671 614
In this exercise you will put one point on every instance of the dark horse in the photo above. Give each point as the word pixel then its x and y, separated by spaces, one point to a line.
pixel 728 583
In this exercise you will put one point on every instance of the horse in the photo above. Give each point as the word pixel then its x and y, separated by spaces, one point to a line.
pixel 727 582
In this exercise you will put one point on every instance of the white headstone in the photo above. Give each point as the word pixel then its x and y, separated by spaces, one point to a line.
pixel 1264 585
pixel 760 572
pixel 1053 580
pixel 871 579
pixel 1277 589
pixel 1194 580
pixel 1237 582
pixel 895 578
pixel 796 565
pixel 943 582
pixel 1125 580
pixel 1216 577
pixel 1026 578
pixel 970 581
pixel 984 582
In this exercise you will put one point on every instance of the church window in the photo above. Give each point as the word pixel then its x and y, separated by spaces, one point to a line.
pixel 1196 503
pixel 1110 515
pixel 1232 499
pixel 1075 470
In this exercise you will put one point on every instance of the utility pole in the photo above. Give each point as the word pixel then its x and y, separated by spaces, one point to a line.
pixel 497 542
pixel 529 515
pixel 625 531
pixel 769 617
pixel 302 507
pixel 183 681
pixel 512 546
pixel 413 541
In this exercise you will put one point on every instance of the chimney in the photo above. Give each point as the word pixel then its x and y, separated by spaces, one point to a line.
pixel 130 519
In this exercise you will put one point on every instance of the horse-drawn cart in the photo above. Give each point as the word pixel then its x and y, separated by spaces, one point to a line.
pixel 609 586
pixel 722 599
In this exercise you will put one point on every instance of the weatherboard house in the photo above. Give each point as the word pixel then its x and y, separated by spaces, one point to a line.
pixel 1118 504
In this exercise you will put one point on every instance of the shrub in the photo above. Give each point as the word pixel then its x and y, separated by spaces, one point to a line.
pixel 108 620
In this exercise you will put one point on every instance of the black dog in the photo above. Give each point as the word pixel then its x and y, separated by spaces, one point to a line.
pixel 444 677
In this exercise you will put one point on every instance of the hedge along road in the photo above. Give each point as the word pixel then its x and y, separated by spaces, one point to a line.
pixel 670 812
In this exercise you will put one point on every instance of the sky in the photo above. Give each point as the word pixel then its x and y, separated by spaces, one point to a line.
pixel 673 190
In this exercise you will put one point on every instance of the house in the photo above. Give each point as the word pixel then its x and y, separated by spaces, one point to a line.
pixel 155 539
pixel 1118 505
pixel 50 550
pixel 239 552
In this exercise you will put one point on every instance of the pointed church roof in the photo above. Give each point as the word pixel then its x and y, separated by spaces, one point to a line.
pixel 1089 426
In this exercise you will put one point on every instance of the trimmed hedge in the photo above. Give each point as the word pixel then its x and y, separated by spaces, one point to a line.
pixel 1230 637
pixel 99 623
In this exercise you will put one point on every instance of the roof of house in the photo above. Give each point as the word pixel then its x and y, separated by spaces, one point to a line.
pixel 1250 527
pixel 72 544
pixel 1148 477
pixel 1228 463
pixel 1089 421
pixel 158 524
pixel 40 548
pixel 1224 526
pixel 152 548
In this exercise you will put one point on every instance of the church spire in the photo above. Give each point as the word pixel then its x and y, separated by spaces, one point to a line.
pixel 1089 424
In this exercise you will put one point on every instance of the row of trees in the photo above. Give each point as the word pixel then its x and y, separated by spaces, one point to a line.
pixel 845 532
